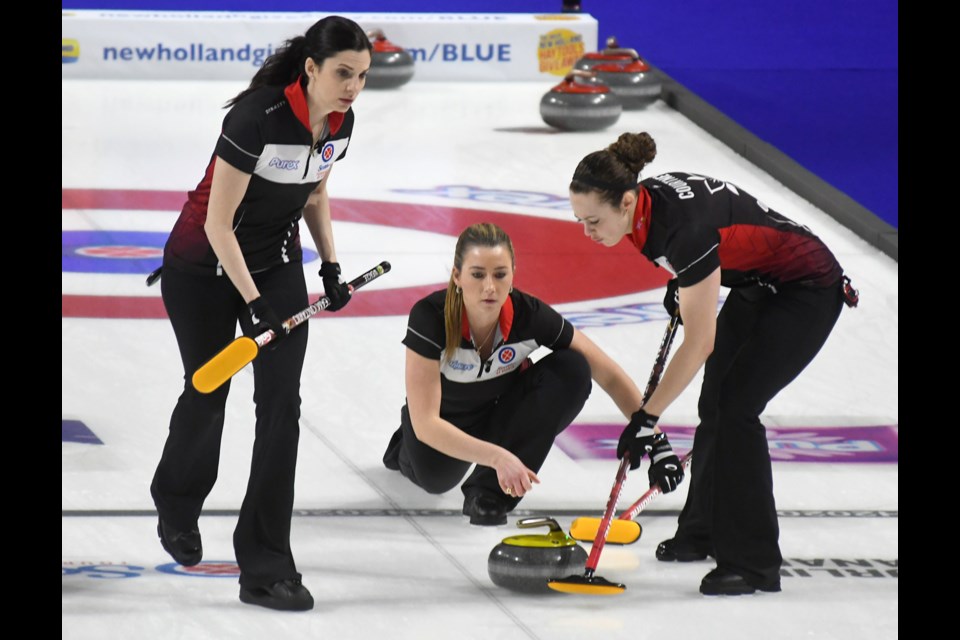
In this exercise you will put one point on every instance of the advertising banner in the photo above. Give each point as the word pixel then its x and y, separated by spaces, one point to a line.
pixel 146 45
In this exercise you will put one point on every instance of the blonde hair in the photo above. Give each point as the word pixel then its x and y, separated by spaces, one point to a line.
pixel 482 234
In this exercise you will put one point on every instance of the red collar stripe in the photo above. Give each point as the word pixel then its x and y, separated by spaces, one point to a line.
pixel 506 320
pixel 641 219
pixel 298 103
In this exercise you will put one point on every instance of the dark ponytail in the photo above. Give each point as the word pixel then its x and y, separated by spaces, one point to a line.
pixel 326 38
pixel 616 169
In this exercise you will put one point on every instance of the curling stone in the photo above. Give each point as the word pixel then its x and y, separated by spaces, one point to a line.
pixel 612 53
pixel 625 72
pixel 391 66
pixel 580 103
pixel 634 82
pixel 526 562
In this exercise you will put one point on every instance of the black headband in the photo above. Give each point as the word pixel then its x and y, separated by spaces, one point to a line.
pixel 590 181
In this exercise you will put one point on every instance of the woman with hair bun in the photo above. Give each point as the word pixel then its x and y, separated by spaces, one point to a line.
pixel 234 255
pixel 473 396
pixel 786 290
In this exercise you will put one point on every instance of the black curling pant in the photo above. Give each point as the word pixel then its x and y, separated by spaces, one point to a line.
pixel 761 346
pixel 525 421
pixel 204 311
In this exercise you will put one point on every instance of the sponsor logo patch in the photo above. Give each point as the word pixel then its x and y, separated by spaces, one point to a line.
pixel 327 152
pixel 286 165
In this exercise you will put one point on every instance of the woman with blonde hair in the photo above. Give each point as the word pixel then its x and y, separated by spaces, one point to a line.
pixel 473 394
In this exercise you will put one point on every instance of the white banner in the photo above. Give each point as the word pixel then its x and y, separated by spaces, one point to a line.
pixel 146 45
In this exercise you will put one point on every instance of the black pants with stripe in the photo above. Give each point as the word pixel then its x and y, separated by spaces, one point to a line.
pixel 204 311
pixel 762 344
pixel 525 421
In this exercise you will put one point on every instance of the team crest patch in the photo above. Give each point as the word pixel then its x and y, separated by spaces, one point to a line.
pixel 507 355
pixel 327 152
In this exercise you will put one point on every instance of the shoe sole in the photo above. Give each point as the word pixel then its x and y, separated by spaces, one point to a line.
pixel 681 557
pixel 737 591
pixel 728 592
pixel 272 603
pixel 487 523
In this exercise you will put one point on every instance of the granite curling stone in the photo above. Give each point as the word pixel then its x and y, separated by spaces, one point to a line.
pixel 525 563
pixel 627 74
pixel 612 53
pixel 580 103
pixel 391 66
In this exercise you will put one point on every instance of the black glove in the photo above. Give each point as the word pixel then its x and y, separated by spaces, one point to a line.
pixel 665 468
pixel 637 437
pixel 265 319
pixel 671 301
pixel 334 286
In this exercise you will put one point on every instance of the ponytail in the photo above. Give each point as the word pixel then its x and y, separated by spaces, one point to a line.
pixel 326 38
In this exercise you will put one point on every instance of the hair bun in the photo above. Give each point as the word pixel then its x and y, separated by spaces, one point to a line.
pixel 635 150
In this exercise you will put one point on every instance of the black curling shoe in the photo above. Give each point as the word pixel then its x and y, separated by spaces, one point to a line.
pixel 285 595
pixel 674 550
pixel 484 510
pixel 184 546
pixel 723 582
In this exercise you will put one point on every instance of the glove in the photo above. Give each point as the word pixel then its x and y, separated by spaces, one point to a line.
pixel 671 301
pixel 665 468
pixel 334 286
pixel 637 437
pixel 265 319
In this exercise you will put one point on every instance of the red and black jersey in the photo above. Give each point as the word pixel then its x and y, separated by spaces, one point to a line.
pixel 267 134
pixel 469 385
pixel 692 224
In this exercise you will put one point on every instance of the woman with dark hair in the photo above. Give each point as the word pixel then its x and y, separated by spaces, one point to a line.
pixel 234 255
pixel 473 396
pixel 786 293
